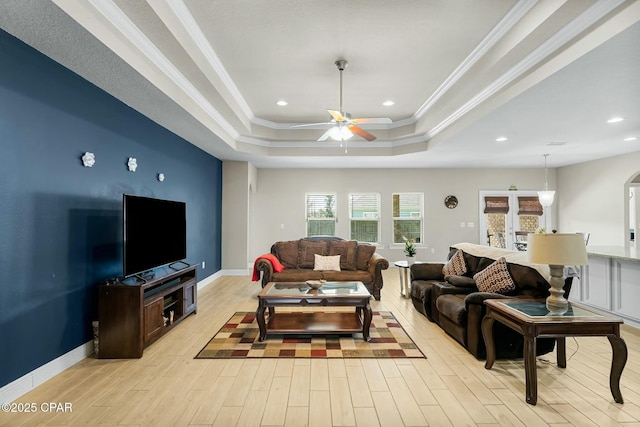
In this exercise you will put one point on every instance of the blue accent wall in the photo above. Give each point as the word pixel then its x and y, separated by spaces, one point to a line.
pixel 61 222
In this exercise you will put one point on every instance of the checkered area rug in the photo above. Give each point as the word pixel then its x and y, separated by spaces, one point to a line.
pixel 238 338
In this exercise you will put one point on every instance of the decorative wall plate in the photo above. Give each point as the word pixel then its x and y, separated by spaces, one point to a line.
pixel 451 202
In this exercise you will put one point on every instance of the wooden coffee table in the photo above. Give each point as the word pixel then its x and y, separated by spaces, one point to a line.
pixel 533 320
pixel 331 294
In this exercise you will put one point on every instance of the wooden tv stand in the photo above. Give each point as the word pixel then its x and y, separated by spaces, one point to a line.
pixel 132 314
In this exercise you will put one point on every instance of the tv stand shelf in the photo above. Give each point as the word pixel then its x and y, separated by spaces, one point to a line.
pixel 134 314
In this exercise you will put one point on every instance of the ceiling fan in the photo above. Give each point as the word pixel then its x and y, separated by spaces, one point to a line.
pixel 343 126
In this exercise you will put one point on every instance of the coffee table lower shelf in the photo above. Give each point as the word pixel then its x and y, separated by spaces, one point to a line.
pixel 313 323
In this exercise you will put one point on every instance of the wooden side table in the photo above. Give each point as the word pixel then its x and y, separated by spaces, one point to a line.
pixel 532 319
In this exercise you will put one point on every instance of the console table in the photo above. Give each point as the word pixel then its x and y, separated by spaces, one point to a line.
pixel 134 313
pixel 532 320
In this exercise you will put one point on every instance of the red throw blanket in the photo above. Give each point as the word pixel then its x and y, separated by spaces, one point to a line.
pixel 277 266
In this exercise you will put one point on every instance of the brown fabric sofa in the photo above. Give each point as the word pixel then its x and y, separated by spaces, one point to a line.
pixel 457 306
pixel 358 262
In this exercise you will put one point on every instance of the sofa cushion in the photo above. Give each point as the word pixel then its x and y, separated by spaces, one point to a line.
pixel 296 275
pixel 308 251
pixel 456 265
pixel 287 253
pixel 327 262
pixel 495 278
pixel 348 276
pixel 461 281
pixel 347 250
pixel 452 306
pixel 364 253
pixel 528 281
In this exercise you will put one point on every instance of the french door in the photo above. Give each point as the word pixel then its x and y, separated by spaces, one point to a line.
pixel 506 217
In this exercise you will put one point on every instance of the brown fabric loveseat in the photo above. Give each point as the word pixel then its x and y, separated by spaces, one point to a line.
pixel 358 262
pixel 455 303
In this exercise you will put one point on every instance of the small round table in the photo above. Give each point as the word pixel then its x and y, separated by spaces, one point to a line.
pixel 405 283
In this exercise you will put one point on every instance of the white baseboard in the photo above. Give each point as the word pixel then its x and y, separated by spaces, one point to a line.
pixel 209 279
pixel 33 379
pixel 239 272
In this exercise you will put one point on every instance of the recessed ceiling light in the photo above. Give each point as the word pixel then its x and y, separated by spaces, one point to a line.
pixel 631 138
pixel 501 139
pixel 556 142
pixel 615 120
pixel 388 103
pixel 282 103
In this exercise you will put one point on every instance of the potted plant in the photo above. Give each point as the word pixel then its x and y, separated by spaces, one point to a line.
pixel 410 251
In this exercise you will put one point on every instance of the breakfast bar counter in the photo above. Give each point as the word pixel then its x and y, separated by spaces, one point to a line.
pixel 611 281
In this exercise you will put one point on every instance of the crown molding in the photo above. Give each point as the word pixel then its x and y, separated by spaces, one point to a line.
pixel 184 16
pixel 550 46
pixel 118 19
pixel 503 27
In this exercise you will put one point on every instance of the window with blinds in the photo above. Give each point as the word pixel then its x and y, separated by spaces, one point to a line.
pixel 364 217
pixel 529 206
pixel 408 212
pixel 320 214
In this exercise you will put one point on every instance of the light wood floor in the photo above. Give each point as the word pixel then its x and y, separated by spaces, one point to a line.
pixel 167 387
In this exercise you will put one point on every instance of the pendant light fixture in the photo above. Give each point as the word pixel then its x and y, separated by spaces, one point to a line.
pixel 546 196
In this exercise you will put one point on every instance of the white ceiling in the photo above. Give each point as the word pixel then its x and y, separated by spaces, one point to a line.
pixel 461 74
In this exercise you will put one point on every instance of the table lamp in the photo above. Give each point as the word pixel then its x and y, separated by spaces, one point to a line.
pixel 557 250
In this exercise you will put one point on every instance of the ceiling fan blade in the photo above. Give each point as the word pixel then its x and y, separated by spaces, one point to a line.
pixel 361 132
pixel 379 120
pixel 337 115
pixel 325 135
pixel 310 124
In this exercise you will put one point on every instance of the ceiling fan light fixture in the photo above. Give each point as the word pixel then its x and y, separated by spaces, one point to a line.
pixel 340 133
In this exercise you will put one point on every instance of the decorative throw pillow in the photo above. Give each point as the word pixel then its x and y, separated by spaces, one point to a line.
pixel 327 262
pixel 347 251
pixel 287 253
pixel 495 278
pixel 308 249
pixel 363 254
pixel 456 265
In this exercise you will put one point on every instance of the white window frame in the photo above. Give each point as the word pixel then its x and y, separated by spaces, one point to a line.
pixel 368 216
pixel 412 216
pixel 309 219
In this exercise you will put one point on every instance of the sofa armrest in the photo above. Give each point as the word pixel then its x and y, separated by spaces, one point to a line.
pixel 476 310
pixel 442 288
pixel 265 266
pixel 377 263
pixel 427 271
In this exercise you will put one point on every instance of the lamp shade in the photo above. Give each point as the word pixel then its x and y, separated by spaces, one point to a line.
pixel 557 249
pixel 546 197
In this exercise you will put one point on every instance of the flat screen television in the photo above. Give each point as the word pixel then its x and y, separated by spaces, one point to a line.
pixel 154 233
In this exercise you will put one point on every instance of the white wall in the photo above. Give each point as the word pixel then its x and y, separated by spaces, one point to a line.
pixel 279 201
pixel 236 193
pixel 592 198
